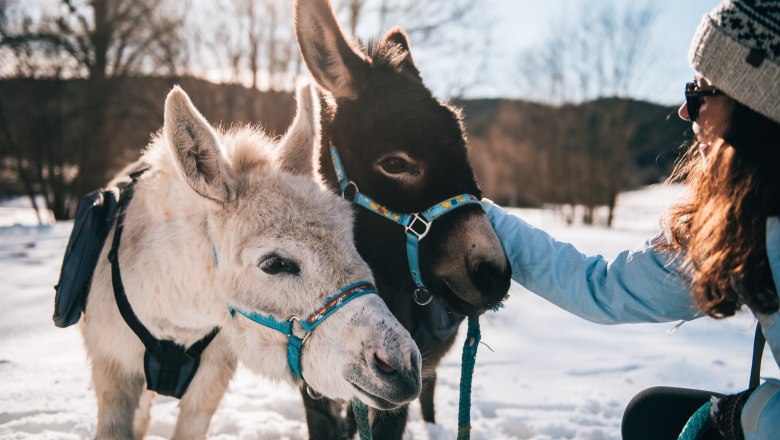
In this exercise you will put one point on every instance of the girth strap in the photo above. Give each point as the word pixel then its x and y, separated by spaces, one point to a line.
pixel 168 366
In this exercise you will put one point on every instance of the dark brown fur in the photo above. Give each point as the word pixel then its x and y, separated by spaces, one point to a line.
pixel 382 109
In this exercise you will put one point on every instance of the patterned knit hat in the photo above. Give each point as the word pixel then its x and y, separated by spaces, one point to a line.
pixel 737 47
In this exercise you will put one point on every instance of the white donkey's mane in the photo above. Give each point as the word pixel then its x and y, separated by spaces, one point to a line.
pixel 245 146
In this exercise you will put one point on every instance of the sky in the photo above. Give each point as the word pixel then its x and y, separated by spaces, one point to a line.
pixel 514 26
pixel 518 24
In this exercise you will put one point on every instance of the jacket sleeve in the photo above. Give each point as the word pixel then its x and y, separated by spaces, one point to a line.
pixel 761 414
pixel 637 286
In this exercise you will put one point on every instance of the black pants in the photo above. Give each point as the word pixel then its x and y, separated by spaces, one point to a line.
pixel 660 413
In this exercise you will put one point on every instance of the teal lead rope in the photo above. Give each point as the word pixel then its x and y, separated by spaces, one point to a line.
pixel 696 423
pixel 361 417
pixel 466 373
pixel 464 406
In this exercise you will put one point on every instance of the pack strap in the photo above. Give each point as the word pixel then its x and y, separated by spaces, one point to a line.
pixel 152 344
pixel 758 351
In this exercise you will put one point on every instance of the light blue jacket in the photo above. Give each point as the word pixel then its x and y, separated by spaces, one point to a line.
pixel 643 285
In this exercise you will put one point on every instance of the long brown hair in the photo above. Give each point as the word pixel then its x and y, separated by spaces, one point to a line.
pixel 721 230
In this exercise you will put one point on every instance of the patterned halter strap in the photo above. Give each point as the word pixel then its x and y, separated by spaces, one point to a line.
pixel 416 225
pixel 294 342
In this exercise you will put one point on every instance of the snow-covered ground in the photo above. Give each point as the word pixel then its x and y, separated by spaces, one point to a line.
pixel 549 375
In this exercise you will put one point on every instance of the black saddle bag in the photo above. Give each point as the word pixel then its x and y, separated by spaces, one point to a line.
pixel 94 219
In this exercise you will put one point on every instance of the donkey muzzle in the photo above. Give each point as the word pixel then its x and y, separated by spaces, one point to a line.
pixel 392 373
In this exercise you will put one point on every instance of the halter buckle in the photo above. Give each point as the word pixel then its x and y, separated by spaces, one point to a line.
pixel 426 226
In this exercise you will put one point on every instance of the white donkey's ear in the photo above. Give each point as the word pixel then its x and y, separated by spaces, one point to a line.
pixel 296 149
pixel 196 149
pixel 334 63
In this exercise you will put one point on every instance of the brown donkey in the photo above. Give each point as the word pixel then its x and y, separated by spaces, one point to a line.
pixel 407 151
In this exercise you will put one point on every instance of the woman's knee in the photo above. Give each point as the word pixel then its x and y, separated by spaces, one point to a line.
pixel 661 412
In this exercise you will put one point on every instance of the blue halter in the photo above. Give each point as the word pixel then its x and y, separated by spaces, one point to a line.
pixel 415 224
pixel 295 343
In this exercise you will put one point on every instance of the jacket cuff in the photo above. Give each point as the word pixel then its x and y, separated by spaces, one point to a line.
pixel 761 413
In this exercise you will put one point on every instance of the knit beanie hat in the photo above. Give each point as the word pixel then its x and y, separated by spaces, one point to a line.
pixel 737 48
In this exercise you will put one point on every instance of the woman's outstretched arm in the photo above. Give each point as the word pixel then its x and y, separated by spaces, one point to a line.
pixel 643 285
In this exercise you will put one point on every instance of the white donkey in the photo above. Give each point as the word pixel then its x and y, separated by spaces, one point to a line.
pixel 217 222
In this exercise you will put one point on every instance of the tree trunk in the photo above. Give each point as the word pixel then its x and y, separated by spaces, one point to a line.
pixel 101 39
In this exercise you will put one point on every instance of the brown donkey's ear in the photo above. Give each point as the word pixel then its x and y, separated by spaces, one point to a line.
pixel 196 150
pixel 398 38
pixel 332 61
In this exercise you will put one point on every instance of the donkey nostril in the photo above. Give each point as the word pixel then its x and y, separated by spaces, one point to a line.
pixel 486 275
pixel 491 279
pixel 383 364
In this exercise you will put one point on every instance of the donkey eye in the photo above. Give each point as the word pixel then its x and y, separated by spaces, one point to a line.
pixel 397 165
pixel 274 265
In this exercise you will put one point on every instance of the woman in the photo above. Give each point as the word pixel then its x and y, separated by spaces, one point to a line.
pixel 718 252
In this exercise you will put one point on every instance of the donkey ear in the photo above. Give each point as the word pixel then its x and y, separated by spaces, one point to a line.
pixel 195 148
pixel 397 37
pixel 296 149
pixel 332 61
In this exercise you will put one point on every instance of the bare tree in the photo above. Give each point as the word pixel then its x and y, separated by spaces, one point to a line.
pixel 253 39
pixel 217 31
pixel 354 8
pixel 599 55
pixel 454 32
pixel 103 38
pixel 283 62
pixel 592 53
pixel 101 41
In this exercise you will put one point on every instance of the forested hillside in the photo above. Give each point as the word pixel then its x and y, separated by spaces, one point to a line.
pixel 64 138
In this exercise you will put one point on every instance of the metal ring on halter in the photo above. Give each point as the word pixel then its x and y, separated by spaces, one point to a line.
pixel 353 194
pixel 416 295
pixel 292 320
pixel 313 394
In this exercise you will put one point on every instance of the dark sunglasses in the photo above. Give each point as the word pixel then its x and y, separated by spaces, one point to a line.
pixel 693 98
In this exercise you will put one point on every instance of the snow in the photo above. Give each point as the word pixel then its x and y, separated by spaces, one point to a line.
pixel 545 375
